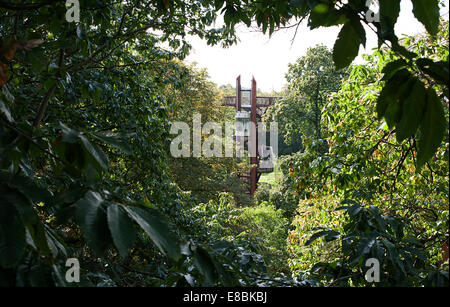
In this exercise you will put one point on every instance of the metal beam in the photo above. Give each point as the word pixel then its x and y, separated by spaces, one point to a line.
pixel 254 141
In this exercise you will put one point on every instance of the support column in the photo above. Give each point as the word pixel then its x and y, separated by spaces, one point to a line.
pixel 254 141
pixel 238 93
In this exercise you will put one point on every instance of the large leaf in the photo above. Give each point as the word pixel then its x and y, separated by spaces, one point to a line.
pixel 394 111
pixel 4 109
pixel 27 187
pixel 431 129
pixel 329 235
pixel 154 224
pixel 392 67
pixel 376 214
pixel 390 95
pixel 34 228
pixel 55 243
pixel 22 204
pixel 12 235
pixel 91 217
pixel 326 17
pixel 389 11
pixel 427 12
pixel 38 235
pixel 98 155
pixel 122 229
pixel 439 71
pixel 413 109
pixel 114 139
pixel 365 244
pixel 69 135
pixel 205 265
pixel 394 255
pixel 346 46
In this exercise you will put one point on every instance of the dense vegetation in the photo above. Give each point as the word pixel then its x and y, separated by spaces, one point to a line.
pixel 86 171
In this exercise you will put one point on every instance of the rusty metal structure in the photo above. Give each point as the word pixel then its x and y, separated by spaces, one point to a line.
pixel 249 109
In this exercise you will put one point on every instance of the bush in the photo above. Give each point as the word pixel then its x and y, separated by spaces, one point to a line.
pixel 370 234
pixel 269 228
pixel 312 215
pixel 285 201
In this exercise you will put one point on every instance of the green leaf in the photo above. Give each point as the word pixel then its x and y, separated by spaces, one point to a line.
pixel 431 129
pixel 376 214
pixel 413 111
pixel 154 224
pixel 205 265
pixel 346 46
pixel 92 219
pixel 69 135
pixel 114 139
pixel 55 243
pixel 38 234
pixel 427 12
pixel 389 11
pixel 122 229
pixel 364 246
pixel 22 204
pixel 218 4
pixel 392 67
pixel 329 235
pixel 377 250
pixel 439 71
pixel 28 188
pixel 352 210
pixel 393 255
pixel 98 155
pixel 394 111
pixel 12 236
pixel 359 29
pixel 325 18
pixel 5 111
pixel 389 95
pixel 58 276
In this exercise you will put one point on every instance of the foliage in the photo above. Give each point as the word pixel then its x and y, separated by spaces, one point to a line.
pixel 266 225
pixel 313 215
pixel 368 163
pixel 351 15
pixel 84 133
pixel 248 240
pixel 310 81
pixel 369 234
pixel 203 177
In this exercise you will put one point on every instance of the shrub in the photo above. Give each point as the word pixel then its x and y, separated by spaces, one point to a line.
pixel 312 215
pixel 267 226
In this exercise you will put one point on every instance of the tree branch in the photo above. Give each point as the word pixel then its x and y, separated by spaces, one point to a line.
pixel 44 103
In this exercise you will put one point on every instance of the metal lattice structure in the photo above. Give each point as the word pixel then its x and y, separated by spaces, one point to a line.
pixel 250 108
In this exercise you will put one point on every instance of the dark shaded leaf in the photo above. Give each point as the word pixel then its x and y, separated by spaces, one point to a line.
pixel 122 229
pixel 98 155
pixel 413 112
pixel 154 224
pixel 329 235
pixel 427 12
pixel 12 236
pixel 346 46
pixel 114 139
pixel 205 265
pixel 431 129
pixel 92 219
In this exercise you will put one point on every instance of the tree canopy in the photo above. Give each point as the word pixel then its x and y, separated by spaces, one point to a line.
pixel 86 173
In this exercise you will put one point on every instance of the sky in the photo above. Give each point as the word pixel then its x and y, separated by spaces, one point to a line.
pixel 267 59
